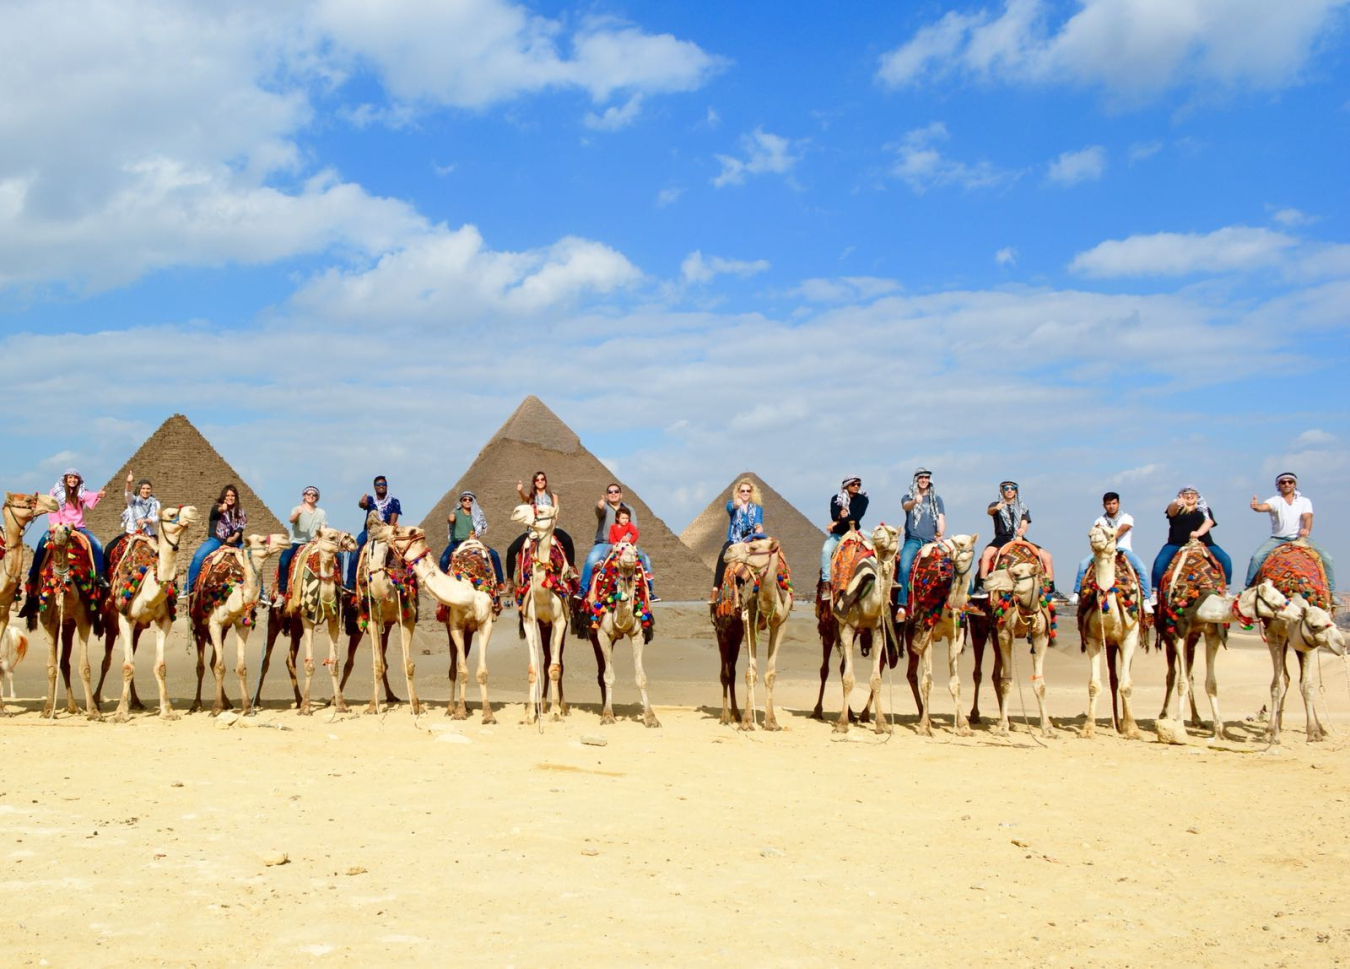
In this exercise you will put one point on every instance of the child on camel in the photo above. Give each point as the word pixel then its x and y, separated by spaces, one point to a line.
pixel 623 530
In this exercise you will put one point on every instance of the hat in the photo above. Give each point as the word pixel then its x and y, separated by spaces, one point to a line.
pixel 468 494
pixel 72 471
pixel 920 471
pixel 1286 474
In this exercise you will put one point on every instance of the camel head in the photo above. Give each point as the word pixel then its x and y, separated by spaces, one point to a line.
pixel 886 541
pixel 626 559
pixel 1313 624
pixel 539 520
pixel 1260 602
pixel 332 541
pixel 58 536
pixel 1021 579
pixel 962 550
pixel 372 519
pixel 174 521
pixel 260 548
pixel 744 552
pixel 27 507
pixel 1102 539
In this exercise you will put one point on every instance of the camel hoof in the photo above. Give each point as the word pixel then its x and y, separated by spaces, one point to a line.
pixel 884 727
pixel 459 713
pixel 489 718
pixel 556 717
pixel 817 714
pixel 746 725
pixel 370 708
pixel 121 716
pixel 964 730
pixel 137 706
pixel 305 711
pixel 924 729
pixel 771 724
pixel 564 709
pixel 1314 738
pixel 169 715
pixel 95 716
pixel 1048 733
pixel 1088 731
pixel 606 719
pixel 417 709
pixel 1001 730
pixel 649 720
pixel 840 726
pixel 975 718
pixel 47 713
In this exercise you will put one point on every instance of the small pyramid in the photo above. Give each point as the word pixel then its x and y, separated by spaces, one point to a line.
pixel 185 470
pixel 536 439
pixel 801 540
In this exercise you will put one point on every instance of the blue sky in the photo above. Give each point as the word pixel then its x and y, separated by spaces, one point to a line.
pixel 1087 245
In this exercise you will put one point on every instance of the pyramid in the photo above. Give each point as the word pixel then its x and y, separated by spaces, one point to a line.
pixel 800 539
pixel 535 439
pixel 185 470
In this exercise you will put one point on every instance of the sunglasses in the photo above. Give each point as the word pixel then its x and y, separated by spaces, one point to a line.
pixel 1009 489
pixel 613 491
pixel 1288 481
pixel 311 494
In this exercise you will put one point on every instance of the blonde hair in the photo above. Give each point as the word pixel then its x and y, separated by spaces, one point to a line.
pixel 755 496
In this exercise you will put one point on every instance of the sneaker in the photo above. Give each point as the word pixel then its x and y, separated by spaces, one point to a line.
pixel 1073 599
pixel 654 598
pixel 979 594
pixel 900 614
pixel 1148 607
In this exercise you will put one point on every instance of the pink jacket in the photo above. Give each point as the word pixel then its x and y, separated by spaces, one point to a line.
pixel 72 515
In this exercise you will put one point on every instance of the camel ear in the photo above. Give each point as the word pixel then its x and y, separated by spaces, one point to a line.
pixel 1000 581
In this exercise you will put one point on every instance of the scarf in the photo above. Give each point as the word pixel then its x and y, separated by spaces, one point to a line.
pixel 380 504
pixel 479 519
pixel 924 504
pixel 1012 514
pixel 1200 503
pixel 843 496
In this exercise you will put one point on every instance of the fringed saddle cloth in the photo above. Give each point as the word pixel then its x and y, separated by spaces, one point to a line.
pixel 221 572
pixel 559 576
pixel 1016 552
pixel 740 575
pixel 400 576
pixel 930 580
pixel 128 565
pixel 80 574
pixel 1126 589
pixel 608 594
pixel 1193 572
pixel 1297 570
pixel 306 583
pixel 472 563
pixel 851 552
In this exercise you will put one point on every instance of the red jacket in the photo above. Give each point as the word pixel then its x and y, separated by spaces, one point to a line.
pixel 617 533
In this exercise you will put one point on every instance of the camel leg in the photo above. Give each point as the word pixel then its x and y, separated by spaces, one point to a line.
pixel 1277 687
pixel 217 634
pixel 53 647
pixel 776 631
pixel 1191 642
pixel 751 672
pixel 307 643
pixel 274 624
pixel 883 725
pixel 128 668
pixel 1041 646
pixel 409 666
pixel 1094 649
pixel 954 685
pixel 67 646
pixel 557 641
pixel 1112 661
pixel 377 665
pixel 1309 681
pixel 241 634
pixel 200 639
pixel 1003 679
pixel 1169 648
pixel 331 625
pixel 640 678
pixel 109 640
pixel 459 675
pixel 161 671
pixel 729 649
pixel 390 697
pixel 847 638
pixel 353 643
pixel 91 705
pixel 604 659
pixel 1213 640
pixel 484 636
pixel 1183 681
pixel 1128 728
pixel 977 644
pixel 924 648
pixel 912 675
pixel 531 627
pixel 826 648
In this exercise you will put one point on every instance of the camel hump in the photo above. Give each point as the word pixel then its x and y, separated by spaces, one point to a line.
pixel 1295 568
pixel 1017 552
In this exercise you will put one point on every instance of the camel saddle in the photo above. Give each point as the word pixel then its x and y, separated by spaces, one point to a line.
pixel 1126 589
pixel 471 563
pixel 727 602
pixel 221 571
pixel 852 551
pixel 130 559
pixel 1297 569
pixel 930 583
pixel 305 580
pixel 559 576
pixel 1193 572
pixel 402 578
pixel 80 559
pixel 604 591
pixel 1016 552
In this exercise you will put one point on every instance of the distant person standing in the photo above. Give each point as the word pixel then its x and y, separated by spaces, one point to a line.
pixel 1291 518
pixel 846 513
pixel 389 510
pixel 925 521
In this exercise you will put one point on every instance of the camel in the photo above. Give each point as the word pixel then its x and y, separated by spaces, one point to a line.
pixel 145 593
pixel 386 595
pixel 1024 609
pixel 19 512
pixel 543 600
pixel 229 588
pixel 1110 619
pixel 940 582
pixel 756 593
pixel 618 602
pixel 865 603
pixel 469 609
pixel 13 648
pixel 313 600
pixel 69 607
pixel 1304 625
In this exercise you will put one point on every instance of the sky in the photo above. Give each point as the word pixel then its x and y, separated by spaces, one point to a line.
pixel 1088 246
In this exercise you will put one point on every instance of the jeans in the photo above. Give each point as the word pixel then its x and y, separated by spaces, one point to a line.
pixel 907 553
pixel 1145 586
pixel 1271 544
pixel 203 550
pixel 1167 552
pixel 492 552
pixel 284 568
pixel 827 553
pixel 95 546
pixel 354 558
pixel 597 555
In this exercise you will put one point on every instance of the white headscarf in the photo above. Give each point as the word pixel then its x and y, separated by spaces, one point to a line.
pixel 843 496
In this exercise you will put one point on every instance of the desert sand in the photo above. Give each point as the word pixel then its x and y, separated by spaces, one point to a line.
pixel 428 840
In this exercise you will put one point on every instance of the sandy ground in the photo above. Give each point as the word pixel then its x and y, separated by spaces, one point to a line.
pixel 416 839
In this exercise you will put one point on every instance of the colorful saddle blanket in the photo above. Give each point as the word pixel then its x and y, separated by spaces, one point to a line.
pixel 472 564
pixel 738 576
pixel 305 584
pixel 221 572
pixel 1297 570
pixel 1193 572
pixel 1126 589
pixel 930 583
pixel 403 579
pixel 130 559
pixel 79 561
pixel 1016 552
pixel 559 576
pixel 851 552
pixel 607 592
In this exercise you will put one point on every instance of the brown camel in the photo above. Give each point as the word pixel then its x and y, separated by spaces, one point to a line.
pixel 940 588
pixel 864 602
pixel 755 595
pixel 69 606
pixel 619 606
pixel 386 596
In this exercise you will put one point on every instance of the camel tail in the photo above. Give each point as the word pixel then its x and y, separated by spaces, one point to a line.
pixel 20 644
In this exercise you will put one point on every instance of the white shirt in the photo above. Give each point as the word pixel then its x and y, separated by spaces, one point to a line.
pixel 1284 517
pixel 1122 541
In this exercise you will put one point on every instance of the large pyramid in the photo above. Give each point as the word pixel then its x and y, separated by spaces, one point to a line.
pixel 535 439
pixel 185 470
pixel 800 539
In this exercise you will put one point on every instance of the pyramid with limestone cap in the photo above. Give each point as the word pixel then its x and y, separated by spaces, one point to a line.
pixel 184 469
pixel 534 439
pixel 801 540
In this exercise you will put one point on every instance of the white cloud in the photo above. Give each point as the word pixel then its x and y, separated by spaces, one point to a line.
pixel 668 196
pixel 1315 437
pixel 616 116
pixel 1290 218
pixel 1144 150
pixel 844 289
pixel 1007 256
pixel 1084 165
pixel 1133 49
pixel 922 165
pixel 765 153
pixel 699 269
pixel 1177 254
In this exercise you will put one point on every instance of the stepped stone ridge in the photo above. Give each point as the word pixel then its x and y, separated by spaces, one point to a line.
pixel 534 439
pixel 185 470
pixel 801 540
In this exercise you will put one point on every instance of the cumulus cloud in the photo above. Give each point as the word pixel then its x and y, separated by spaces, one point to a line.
pixel 1144 150
pixel 668 196
pixel 1289 218
pixel 616 116
pixel 1007 256
pixel 844 289
pixel 1179 254
pixel 1134 49
pixel 922 166
pixel 764 153
pixel 1085 165
pixel 700 269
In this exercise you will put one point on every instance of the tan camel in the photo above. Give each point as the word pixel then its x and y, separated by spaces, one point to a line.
pixel 757 599
pixel 469 609
pixel 865 604
pixel 231 584
pixel 1304 628
pixel 19 512
pixel 938 615
pixel 1109 619
pixel 146 596
pixel 620 610
pixel 1023 611
pixel 69 607
pixel 384 598
pixel 543 601
pixel 314 600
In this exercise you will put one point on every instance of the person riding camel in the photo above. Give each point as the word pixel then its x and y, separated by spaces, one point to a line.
pixel 745 512
pixel 1188 517
pixel 846 514
pixel 925 521
pixel 1011 520
pixel 1291 518
pixel 69 490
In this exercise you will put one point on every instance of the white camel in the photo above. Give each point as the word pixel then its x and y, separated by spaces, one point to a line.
pixel 1109 620
pixel 19 511
pixel 753 569
pixel 470 610
pixel 938 614
pixel 1303 628
pixel 1025 614
pixel 544 601
pixel 148 603
pixel 618 618
pixel 232 605
pixel 384 598
pixel 865 604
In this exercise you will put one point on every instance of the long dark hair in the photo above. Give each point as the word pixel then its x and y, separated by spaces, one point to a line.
pixel 238 504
